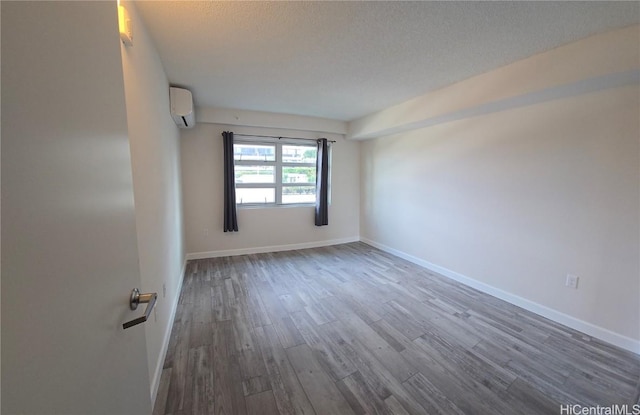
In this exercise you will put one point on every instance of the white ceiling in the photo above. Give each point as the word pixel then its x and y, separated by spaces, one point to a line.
pixel 343 60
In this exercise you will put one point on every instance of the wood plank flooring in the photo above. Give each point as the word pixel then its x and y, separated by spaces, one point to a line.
pixel 349 329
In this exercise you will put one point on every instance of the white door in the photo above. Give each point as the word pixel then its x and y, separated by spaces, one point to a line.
pixel 69 255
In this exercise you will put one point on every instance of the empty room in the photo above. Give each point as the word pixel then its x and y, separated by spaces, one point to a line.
pixel 320 207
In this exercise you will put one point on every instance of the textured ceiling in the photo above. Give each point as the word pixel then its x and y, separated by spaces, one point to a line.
pixel 343 60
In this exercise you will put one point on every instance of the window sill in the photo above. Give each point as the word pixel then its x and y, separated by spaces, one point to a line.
pixel 273 206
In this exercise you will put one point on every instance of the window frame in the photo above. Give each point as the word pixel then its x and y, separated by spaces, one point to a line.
pixel 278 165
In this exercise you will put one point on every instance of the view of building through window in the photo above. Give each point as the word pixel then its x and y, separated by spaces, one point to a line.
pixel 275 173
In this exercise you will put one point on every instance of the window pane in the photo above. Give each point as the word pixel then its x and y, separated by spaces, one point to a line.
pixel 298 154
pixel 298 194
pixel 259 152
pixel 255 174
pixel 298 174
pixel 256 195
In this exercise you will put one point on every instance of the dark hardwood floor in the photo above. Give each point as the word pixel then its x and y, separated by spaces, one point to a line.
pixel 349 329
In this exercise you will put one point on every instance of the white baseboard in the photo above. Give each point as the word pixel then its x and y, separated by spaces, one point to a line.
pixel 157 374
pixel 271 248
pixel 598 332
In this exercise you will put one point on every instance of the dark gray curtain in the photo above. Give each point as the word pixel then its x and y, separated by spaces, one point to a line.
pixel 322 184
pixel 230 215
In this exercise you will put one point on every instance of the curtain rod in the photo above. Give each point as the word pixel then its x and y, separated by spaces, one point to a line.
pixel 280 137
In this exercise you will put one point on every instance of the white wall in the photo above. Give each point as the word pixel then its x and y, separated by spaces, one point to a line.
pixel 261 229
pixel 155 160
pixel 512 201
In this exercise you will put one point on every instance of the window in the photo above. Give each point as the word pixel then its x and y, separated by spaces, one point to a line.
pixel 278 172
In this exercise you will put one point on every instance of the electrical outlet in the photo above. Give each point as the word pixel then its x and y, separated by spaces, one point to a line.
pixel 164 290
pixel 206 231
pixel 572 281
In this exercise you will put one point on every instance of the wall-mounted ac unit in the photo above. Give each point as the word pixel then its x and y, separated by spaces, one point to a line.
pixel 182 107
